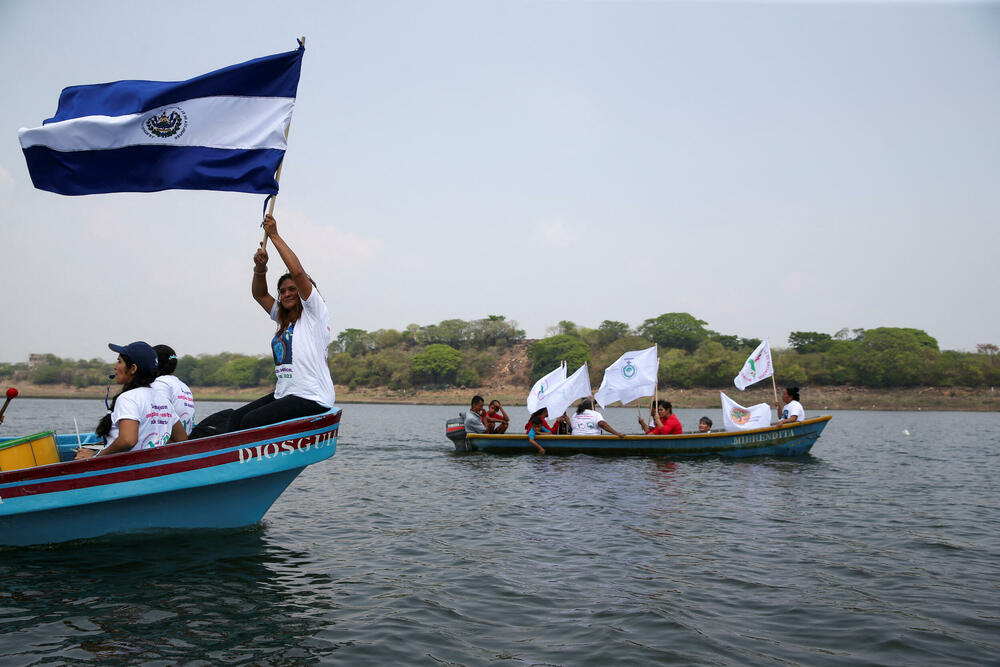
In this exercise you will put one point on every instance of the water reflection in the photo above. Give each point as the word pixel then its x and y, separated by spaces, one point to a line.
pixel 227 595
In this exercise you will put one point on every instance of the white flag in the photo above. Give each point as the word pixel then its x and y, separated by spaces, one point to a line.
pixel 757 367
pixel 737 418
pixel 543 386
pixel 632 376
pixel 563 394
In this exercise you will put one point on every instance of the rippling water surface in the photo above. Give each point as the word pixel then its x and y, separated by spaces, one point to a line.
pixel 882 547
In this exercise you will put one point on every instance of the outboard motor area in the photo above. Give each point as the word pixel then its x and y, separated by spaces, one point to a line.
pixel 454 428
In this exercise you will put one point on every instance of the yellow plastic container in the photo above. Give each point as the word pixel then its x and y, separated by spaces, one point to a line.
pixel 30 451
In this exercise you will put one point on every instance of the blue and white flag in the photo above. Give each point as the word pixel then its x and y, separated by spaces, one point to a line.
pixel 224 130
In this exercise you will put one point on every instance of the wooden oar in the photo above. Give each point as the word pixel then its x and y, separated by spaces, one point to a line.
pixel 11 395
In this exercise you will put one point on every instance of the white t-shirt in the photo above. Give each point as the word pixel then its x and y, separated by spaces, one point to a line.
pixel 300 354
pixel 585 423
pixel 793 408
pixel 153 412
pixel 180 398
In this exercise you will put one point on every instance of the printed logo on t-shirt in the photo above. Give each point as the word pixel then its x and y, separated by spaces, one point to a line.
pixel 281 346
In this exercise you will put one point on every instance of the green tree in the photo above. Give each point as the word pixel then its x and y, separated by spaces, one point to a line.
pixel 810 341
pixel 609 331
pixel 896 357
pixel 675 330
pixel 548 352
pixel 438 363
pixel 494 330
pixel 241 372
pixel 354 342
pixel 385 338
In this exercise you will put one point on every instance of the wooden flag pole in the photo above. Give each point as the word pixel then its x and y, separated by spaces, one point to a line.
pixel 277 174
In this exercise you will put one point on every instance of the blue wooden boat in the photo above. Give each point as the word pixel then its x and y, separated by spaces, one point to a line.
pixel 225 481
pixel 787 440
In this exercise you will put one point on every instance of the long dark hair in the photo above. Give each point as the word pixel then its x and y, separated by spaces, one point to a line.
pixel 536 416
pixel 793 392
pixel 141 378
pixel 166 360
pixel 286 316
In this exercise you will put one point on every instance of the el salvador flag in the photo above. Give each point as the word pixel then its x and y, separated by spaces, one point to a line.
pixel 224 130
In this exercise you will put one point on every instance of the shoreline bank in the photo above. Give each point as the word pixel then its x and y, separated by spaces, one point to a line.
pixel 814 398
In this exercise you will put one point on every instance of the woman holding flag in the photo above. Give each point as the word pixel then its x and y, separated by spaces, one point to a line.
pixel 303 386
pixel 665 422
pixel 792 410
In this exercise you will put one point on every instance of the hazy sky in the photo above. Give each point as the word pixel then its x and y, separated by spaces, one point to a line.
pixel 767 167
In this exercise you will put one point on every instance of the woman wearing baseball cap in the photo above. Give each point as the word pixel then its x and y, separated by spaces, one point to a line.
pixel 138 417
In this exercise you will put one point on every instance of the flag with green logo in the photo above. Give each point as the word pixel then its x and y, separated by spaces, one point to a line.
pixel 757 367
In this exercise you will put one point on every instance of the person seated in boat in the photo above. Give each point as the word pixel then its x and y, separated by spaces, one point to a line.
pixel 475 417
pixel 538 418
pixel 663 420
pixel 792 410
pixel 303 384
pixel 704 425
pixel 172 387
pixel 497 420
pixel 587 421
pixel 537 425
pixel 139 416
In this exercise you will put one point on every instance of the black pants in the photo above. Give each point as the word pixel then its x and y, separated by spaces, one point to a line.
pixel 268 410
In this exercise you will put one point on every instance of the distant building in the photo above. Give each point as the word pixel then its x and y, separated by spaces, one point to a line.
pixel 36 360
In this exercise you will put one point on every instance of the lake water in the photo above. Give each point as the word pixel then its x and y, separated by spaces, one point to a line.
pixel 882 547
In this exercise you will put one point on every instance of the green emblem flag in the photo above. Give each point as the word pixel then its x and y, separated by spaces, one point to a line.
pixel 757 367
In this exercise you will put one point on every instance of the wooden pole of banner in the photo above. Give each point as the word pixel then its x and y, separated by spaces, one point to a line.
pixel 277 174
pixel 775 385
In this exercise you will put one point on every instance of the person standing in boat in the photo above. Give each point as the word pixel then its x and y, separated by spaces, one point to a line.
pixel 172 387
pixel 664 421
pixel 587 421
pixel 792 410
pixel 139 417
pixel 304 386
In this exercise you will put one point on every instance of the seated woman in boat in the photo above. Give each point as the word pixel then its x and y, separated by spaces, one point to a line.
pixel 704 425
pixel 172 387
pixel 664 421
pixel 587 421
pixel 303 386
pixel 792 410
pixel 496 417
pixel 139 417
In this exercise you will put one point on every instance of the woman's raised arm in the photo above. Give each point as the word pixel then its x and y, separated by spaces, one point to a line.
pixel 291 261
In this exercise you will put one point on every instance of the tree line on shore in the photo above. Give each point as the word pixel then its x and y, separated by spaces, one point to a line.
pixel 466 354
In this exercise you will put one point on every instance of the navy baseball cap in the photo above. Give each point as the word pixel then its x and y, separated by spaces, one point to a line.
pixel 140 352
